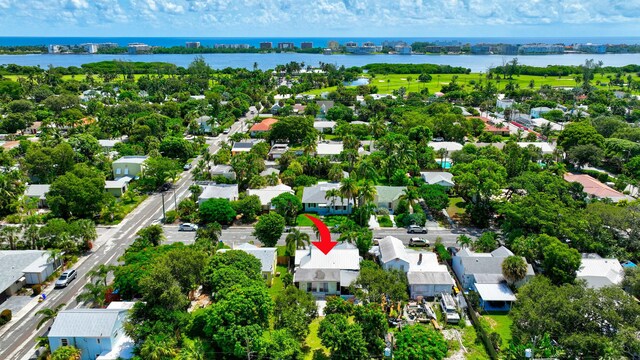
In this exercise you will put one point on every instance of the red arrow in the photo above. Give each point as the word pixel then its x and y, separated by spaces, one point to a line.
pixel 325 244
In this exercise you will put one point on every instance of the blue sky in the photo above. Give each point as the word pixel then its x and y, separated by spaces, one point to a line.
pixel 320 18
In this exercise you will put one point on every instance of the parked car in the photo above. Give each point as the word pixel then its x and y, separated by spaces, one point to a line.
pixel 438 139
pixel 188 227
pixel 415 229
pixel 187 166
pixel 226 131
pixel 419 242
pixel 66 278
pixel 287 229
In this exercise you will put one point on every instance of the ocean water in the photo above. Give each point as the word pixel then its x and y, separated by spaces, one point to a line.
pixel 317 41
pixel 477 63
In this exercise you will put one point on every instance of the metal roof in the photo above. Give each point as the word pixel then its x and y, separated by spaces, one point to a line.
pixel 392 248
pixel 267 256
pixel 131 160
pixel 495 292
pixel 219 191
pixel 39 191
pixel 268 193
pixel 14 262
pixel 94 323
pixel 429 278
pixel 316 195
pixel 387 194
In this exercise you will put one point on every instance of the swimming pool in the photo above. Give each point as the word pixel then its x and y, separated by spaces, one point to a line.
pixel 444 164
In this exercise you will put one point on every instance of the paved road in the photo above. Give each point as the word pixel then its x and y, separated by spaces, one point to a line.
pixel 19 340
pixel 240 235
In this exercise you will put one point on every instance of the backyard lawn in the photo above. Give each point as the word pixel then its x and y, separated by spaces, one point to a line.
pixel 277 286
pixel 387 83
pixel 500 323
pixel 456 208
pixel 313 341
pixel 302 220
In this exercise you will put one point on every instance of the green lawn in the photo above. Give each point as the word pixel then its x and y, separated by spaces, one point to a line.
pixel 302 220
pixel 277 286
pixel 500 323
pixel 385 221
pixel 456 207
pixel 387 83
pixel 333 220
pixel 474 346
pixel 313 342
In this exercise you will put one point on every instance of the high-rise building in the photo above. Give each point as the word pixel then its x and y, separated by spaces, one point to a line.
pixel 266 45
pixel 285 45
pixel 192 44
pixel 306 45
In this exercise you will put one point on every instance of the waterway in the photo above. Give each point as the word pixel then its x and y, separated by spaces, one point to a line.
pixel 477 63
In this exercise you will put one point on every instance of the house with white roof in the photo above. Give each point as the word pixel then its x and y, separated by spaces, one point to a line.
pixel 314 200
pixel 108 144
pixel 218 191
pixel 325 275
pixel 505 103
pixel 128 166
pixel 268 258
pixel 224 171
pixel 98 333
pixel 441 178
pixel 329 149
pixel 38 192
pixel 324 126
pixel 117 187
pixel 24 267
pixel 426 277
pixel 598 272
pixel 449 146
pixel 268 193
pixel 482 272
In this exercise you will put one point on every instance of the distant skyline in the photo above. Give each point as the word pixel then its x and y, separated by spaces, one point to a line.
pixel 320 18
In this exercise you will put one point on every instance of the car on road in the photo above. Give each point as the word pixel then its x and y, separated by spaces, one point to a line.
pixel 187 166
pixel 188 227
pixel 66 278
pixel 226 131
pixel 419 242
pixel 415 229
pixel 166 187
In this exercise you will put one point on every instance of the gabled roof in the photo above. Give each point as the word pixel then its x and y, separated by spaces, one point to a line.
pixel 264 125
pixel 435 177
pixel 131 159
pixel 392 248
pixel 430 278
pixel 219 191
pixel 35 190
pixel 486 263
pixel 342 257
pixel 316 195
pixel 90 323
pixel 387 194
pixel 14 262
pixel 268 193
pixel 594 187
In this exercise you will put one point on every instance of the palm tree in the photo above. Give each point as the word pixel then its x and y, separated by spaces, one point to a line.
pixel 464 241
pixel 101 272
pixel 514 269
pixel 349 188
pixel 48 314
pixel 272 179
pixel 31 236
pixel 410 195
pixel 296 240
pixel 331 196
pixel 367 193
pixel 443 155
pixel 192 350
pixel 93 293
pixel 9 235
pixel 158 348
pixel 54 256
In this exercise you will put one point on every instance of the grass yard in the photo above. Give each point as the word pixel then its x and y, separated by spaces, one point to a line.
pixel 456 208
pixel 388 83
pixel 474 346
pixel 313 343
pixel 277 286
pixel 303 220
pixel 500 323
pixel 333 220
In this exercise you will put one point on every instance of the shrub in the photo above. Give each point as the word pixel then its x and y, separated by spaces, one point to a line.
pixel 496 340
pixel 5 316
pixel 287 279
pixel 442 252
pixel 170 217
pixel 37 289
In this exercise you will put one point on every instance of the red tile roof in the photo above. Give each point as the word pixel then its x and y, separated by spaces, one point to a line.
pixel 264 125
pixel 594 187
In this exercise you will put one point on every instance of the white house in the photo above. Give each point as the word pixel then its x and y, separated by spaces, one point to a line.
pixel 223 170
pixel 329 149
pixel 324 126
pixel 388 197
pixel 98 333
pixel 38 192
pixel 441 178
pixel 268 258
pixel 426 277
pixel 473 269
pixel 323 275
pixel 505 103
pixel 449 146
pixel 599 272
pixel 24 267
pixel 267 194
pixel 218 191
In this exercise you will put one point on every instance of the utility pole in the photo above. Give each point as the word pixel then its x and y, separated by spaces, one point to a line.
pixel 163 212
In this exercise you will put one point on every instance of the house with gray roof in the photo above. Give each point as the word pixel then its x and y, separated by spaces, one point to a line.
pixel 485 269
pixel 98 333
pixel 218 191
pixel 538 112
pixel 268 193
pixel 38 192
pixel 426 276
pixel 223 170
pixel 268 259
pixel 204 124
pixel 244 146
pixel 388 197
pixel 324 275
pixel 314 200
pixel 441 178
pixel 24 267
